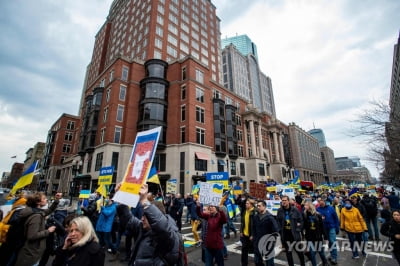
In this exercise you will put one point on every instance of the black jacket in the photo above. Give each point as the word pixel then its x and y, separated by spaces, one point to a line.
pixel 296 222
pixel 153 246
pixel 313 226
pixel 262 226
pixel 90 254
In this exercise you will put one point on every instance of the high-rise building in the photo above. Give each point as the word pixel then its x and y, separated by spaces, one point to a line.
pixel 242 75
pixel 156 63
pixel 243 43
pixel 394 100
pixel 319 135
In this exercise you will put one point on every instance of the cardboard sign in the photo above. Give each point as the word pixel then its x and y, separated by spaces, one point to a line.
pixel 210 193
pixel 138 167
pixel 218 177
pixel 258 190
pixel 171 186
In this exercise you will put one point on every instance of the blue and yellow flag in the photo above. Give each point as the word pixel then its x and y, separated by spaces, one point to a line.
pixel 218 188
pixel 25 179
pixel 153 176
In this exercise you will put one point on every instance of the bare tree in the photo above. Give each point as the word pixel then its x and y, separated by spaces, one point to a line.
pixel 379 129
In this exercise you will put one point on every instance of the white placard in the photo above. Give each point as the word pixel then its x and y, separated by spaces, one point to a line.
pixel 210 193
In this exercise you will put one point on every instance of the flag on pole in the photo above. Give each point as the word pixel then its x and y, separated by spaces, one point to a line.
pixel 102 190
pixel 153 176
pixel 26 178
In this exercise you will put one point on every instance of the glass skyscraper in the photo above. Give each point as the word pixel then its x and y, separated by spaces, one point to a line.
pixel 242 43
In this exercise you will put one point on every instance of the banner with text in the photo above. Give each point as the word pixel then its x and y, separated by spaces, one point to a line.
pixel 273 206
pixel 257 190
pixel 139 165
pixel 106 174
pixel 218 177
pixel 210 193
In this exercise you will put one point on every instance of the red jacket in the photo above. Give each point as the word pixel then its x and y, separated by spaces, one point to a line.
pixel 213 239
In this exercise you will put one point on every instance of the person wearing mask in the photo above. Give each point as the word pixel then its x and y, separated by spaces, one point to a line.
pixel 263 224
pixel 354 224
pixel 391 229
pixel 290 222
pixel 331 227
pixel 81 246
pixel 213 241
pixel 314 231
pixel 245 230
pixel 35 231
pixel 371 206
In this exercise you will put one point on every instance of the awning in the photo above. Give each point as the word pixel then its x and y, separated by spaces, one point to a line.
pixel 221 162
pixel 202 156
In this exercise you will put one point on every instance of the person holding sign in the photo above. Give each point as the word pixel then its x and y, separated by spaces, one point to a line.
pixel 213 241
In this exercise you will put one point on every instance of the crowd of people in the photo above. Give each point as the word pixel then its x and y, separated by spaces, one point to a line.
pixel 43 233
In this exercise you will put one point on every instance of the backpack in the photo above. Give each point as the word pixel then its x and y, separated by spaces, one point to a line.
pixel 370 206
pixel 5 224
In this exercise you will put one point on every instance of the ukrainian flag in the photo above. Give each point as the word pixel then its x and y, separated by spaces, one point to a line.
pixel 102 190
pixel 25 179
pixel 218 188
pixel 153 176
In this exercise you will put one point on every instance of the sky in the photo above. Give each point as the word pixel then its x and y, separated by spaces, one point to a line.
pixel 327 61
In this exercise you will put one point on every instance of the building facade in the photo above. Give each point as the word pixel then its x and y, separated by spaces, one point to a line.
pixel 156 63
pixel 306 155
pixel 35 154
pixel 328 163
pixel 319 135
pixel 242 43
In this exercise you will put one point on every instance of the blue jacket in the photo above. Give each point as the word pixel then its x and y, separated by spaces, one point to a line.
pixel 106 218
pixel 331 220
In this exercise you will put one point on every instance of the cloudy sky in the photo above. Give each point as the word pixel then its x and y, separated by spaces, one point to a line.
pixel 326 59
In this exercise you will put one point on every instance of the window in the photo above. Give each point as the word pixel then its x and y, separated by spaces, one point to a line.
pixel 171 51
pixel 120 113
pixel 66 148
pixel 240 151
pixel 200 136
pixel 102 82
pixel 173 29
pixel 102 132
pixel 159 31
pixel 125 71
pixel 239 135
pixel 172 40
pixel 261 169
pixel 108 95
pixel 70 125
pixel 199 114
pixel 183 134
pixel 160 20
pixel 105 115
pixel 111 75
pixel 200 95
pixel 183 92
pixel 183 73
pixel 200 165
pixel 158 43
pixel 183 112
pixel 68 136
pixel 99 161
pixel 114 160
pixel 122 92
pixel 242 169
pixel 199 76
pixel 159 161
pixel 233 167
pixel 117 134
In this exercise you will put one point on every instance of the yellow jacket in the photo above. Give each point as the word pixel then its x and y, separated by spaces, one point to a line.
pixel 352 221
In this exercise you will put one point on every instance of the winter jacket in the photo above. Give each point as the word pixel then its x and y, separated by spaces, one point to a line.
pixel 106 218
pixel 35 234
pixel 191 206
pixel 352 221
pixel 313 226
pixel 215 222
pixel 331 220
pixel 390 229
pixel 90 254
pixel 242 222
pixel 296 222
pixel 152 247
pixel 263 225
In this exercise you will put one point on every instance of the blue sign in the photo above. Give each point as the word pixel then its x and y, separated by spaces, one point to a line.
pixel 218 176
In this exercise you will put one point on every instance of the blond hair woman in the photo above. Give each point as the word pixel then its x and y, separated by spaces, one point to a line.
pixel 81 246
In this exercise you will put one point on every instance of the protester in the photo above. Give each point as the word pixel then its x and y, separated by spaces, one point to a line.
pixel 331 227
pixel 176 210
pixel 392 230
pixel 213 241
pixel 35 231
pixel 156 234
pixel 81 246
pixel 371 206
pixel 104 226
pixel 194 219
pixel 290 222
pixel 354 224
pixel 124 215
pixel 314 231
pixel 393 201
pixel 263 224
pixel 245 230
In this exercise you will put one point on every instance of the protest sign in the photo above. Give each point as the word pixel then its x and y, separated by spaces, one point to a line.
pixel 257 190
pixel 171 186
pixel 218 177
pixel 273 206
pixel 139 165
pixel 210 193
pixel 106 174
